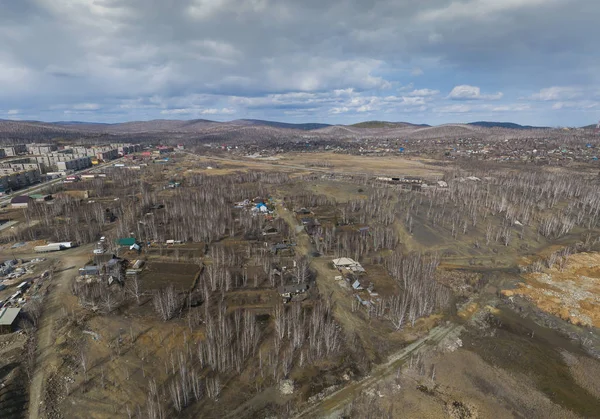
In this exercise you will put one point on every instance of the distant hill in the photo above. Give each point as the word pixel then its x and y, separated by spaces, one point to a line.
pixel 510 125
pixel 305 127
pixel 245 130
pixel 593 126
pixel 386 124
pixel 78 123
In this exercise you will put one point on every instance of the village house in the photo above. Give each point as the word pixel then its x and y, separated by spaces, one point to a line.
pixel 21 201
pixel 105 264
pixel 284 249
pixel 348 265
pixel 289 291
pixel 303 211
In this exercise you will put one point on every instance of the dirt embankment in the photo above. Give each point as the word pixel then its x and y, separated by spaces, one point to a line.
pixel 13 379
pixel 572 293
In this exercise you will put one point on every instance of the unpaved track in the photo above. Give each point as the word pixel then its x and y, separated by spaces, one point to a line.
pixel 53 304
pixel 331 405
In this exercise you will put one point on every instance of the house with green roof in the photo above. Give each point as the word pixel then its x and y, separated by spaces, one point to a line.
pixel 126 241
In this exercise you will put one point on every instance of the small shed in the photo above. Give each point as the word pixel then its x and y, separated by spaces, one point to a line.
pixel 89 270
pixel 357 286
pixel 8 318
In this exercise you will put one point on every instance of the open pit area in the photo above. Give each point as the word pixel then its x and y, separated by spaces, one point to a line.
pixel 571 291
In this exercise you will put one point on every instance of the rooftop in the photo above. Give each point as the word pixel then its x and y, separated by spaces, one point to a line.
pixel 344 262
pixel 126 241
pixel 22 199
pixel 8 316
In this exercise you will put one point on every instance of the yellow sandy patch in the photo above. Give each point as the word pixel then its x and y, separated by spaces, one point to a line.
pixel 572 294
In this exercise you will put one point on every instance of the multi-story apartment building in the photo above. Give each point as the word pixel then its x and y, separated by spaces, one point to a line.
pixel 74 164
pixel 15 150
pixel 64 161
pixel 18 180
pixel 41 148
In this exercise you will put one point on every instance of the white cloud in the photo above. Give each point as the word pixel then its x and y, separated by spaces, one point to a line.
pixel 454 109
pixel 311 73
pixel 195 111
pixel 558 93
pixel 338 110
pixel 417 71
pixel 423 92
pixel 466 92
pixel 13 112
pixel 14 77
pixel 206 9
pixel 86 107
pixel 580 105
pixel 478 9
pixel 511 108
pixel 413 101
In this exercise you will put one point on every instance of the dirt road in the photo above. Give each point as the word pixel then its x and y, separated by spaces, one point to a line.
pixel 332 405
pixel 53 304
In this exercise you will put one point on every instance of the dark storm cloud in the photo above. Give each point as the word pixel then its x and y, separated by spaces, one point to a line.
pixel 157 57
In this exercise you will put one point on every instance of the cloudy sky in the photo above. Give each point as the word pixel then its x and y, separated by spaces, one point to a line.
pixel 338 61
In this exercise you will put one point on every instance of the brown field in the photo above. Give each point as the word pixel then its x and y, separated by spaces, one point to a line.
pixel 338 163
pixel 393 166
pixel 161 274
pixel 186 251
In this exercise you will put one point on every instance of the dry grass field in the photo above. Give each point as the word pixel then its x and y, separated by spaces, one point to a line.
pixel 390 166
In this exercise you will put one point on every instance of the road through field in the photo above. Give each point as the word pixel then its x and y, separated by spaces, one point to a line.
pixel 331 405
